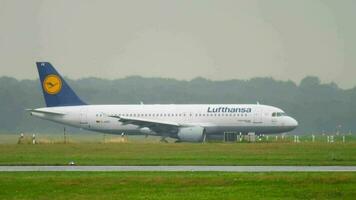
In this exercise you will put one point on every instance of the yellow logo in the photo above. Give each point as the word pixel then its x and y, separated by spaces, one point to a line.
pixel 52 84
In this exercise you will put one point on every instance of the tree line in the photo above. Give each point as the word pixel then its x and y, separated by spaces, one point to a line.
pixel 317 107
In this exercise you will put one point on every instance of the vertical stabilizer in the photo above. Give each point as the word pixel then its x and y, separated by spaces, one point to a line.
pixel 55 89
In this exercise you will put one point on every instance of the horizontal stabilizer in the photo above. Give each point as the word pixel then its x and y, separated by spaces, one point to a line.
pixel 44 112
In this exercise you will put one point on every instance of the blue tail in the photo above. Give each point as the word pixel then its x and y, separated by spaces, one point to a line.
pixel 56 91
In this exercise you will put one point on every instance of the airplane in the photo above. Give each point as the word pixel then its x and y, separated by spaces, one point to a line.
pixel 184 122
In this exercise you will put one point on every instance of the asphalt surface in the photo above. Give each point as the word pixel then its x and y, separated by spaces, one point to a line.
pixel 181 168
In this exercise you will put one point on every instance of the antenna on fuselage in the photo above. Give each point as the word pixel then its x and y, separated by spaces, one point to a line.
pixel 258 103
pixel 141 102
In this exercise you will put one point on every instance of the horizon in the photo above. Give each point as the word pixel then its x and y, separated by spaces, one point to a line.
pixel 193 79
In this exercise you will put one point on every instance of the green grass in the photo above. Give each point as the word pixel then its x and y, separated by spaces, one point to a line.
pixel 176 185
pixel 180 154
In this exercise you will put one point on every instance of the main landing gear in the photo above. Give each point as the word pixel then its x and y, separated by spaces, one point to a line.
pixel 163 140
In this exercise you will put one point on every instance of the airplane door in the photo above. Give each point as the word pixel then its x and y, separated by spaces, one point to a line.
pixel 257 116
pixel 273 118
pixel 83 117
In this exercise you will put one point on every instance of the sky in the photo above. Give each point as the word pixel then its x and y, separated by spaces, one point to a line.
pixel 181 39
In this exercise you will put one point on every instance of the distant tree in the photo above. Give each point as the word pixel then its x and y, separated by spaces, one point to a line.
pixel 309 81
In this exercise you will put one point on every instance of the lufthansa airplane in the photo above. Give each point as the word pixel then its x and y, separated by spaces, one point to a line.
pixel 185 122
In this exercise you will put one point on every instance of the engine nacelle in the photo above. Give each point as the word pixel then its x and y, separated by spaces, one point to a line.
pixel 147 131
pixel 191 134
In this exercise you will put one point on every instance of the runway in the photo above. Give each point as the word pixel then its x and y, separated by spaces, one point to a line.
pixel 179 168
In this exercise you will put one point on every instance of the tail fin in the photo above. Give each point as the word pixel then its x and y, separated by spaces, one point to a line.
pixel 55 89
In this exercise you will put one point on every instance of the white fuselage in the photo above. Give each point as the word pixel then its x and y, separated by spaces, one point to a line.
pixel 214 118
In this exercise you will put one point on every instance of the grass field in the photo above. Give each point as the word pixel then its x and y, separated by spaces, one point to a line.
pixel 180 154
pixel 176 185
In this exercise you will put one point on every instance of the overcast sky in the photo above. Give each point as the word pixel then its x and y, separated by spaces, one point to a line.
pixel 284 39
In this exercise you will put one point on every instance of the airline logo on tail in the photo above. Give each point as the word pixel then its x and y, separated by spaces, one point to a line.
pixel 52 84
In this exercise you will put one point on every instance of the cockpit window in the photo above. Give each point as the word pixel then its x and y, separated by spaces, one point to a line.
pixel 278 114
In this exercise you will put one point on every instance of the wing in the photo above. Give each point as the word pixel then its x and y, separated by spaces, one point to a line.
pixel 155 125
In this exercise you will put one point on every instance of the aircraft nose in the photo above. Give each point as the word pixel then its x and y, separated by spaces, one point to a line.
pixel 292 122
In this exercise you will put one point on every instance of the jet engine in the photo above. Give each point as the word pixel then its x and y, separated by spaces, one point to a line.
pixel 147 131
pixel 191 134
